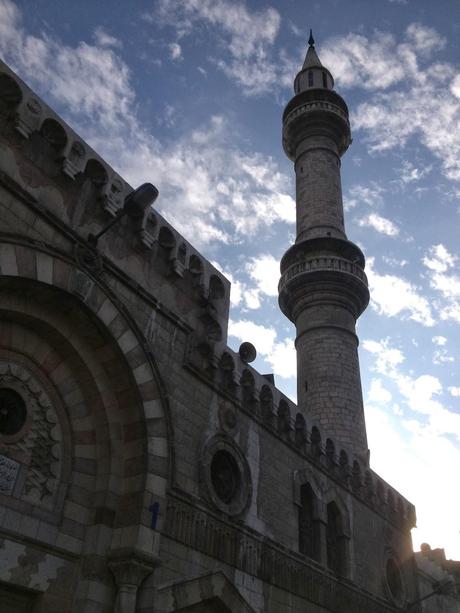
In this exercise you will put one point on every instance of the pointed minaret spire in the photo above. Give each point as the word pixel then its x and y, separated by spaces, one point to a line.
pixel 313 74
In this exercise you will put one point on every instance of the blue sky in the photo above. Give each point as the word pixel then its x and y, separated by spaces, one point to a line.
pixel 188 94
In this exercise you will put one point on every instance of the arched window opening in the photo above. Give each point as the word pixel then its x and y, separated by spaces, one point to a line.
pixel 308 528
pixel 315 442
pixel 394 582
pixel 266 404
pixel 300 430
pixel 54 133
pixel 195 266
pixel 335 540
pixel 343 462
pixel 324 79
pixel 330 453
pixel 356 480
pixel 227 366
pixel 247 390
pixel 284 418
pixel 216 288
pixel 310 78
pixel 96 172
pixel 166 239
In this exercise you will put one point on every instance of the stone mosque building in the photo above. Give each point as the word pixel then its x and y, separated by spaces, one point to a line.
pixel 145 467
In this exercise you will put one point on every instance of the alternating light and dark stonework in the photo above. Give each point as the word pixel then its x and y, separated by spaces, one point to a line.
pixel 145 467
pixel 323 287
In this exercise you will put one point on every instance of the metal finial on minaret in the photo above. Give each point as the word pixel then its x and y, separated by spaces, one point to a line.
pixel 311 40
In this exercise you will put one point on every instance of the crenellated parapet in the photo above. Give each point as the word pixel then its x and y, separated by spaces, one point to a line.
pixel 252 393
pixel 66 180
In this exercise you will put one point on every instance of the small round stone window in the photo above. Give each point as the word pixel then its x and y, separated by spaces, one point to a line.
pixel 13 412
pixel 225 476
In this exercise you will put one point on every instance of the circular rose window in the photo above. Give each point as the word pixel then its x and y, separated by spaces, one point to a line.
pixel 13 412
pixel 226 475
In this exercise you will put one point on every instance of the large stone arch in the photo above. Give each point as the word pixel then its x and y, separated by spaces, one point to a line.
pixel 63 325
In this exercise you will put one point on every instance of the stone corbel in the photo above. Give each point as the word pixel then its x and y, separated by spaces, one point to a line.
pixel 129 569
pixel 73 159
pixel 28 117
pixel 112 196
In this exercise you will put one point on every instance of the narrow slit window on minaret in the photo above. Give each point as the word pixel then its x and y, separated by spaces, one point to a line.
pixel 310 78
pixel 324 79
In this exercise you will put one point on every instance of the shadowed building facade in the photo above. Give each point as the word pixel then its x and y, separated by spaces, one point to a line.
pixel 144 465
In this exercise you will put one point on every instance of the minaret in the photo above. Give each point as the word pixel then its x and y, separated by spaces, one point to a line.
pixel 323 288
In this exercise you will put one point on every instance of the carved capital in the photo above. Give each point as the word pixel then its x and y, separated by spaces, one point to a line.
pixel 129 569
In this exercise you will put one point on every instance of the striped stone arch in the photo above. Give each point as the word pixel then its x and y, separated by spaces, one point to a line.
pixel 85 343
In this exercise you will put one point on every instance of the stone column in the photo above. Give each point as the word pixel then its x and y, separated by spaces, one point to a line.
pixel 129 570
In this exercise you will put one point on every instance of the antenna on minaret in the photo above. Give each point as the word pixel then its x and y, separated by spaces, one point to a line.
pixel 311 40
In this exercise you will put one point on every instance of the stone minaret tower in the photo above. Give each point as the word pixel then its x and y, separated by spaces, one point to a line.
pixel 323 288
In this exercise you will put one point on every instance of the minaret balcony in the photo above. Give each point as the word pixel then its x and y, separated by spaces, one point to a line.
pixel 323 279
pixel 315 112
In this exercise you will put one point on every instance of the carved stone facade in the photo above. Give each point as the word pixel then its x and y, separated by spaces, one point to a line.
pixel 144 465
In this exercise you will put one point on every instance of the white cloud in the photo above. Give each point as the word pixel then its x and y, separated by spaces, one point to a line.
pixel 281 355
pixel 175 51
pixel 454 391
pixel 395 262
pixel 356 60
pixel 455 86
pixel 262 337
pixel 394 296
pixel 439 262
pixel 265 271
pixel 247 37
pixel 368 195
pixel 438 259
pixel 390 118
pixel 424 39
pixel 409 173
pixel 380 224
pixel 241 294
pixel 377 393
pixel 283 359
pixel 441 356
pixel 386 358
pixel 103 39
pixel 421 393
pixel 439 340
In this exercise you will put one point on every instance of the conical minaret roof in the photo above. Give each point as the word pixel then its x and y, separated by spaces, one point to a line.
pixel 312 75
pixel 311 59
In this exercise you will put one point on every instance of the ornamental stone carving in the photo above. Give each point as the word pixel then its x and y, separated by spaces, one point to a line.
pixel 30 436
